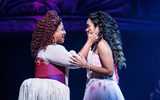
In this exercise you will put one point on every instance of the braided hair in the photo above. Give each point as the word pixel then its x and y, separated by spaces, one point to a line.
pixel 44 30
pixel 109 31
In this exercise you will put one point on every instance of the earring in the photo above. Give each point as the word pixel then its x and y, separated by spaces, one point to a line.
pixel 53 41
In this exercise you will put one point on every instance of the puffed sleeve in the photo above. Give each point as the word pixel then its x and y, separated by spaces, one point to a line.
pixel 58 55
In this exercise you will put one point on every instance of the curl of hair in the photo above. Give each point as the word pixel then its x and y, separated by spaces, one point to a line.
pixel 109 30
pixel 43 34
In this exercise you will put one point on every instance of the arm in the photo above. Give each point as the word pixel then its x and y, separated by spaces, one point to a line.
pixel 84 51
pixel 91 39
pixel 106 58
pixel 58 55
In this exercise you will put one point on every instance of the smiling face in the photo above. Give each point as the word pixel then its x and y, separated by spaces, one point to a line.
pixel 91 28
pixel 59 35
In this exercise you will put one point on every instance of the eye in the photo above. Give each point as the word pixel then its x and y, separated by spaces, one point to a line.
pixel 87 25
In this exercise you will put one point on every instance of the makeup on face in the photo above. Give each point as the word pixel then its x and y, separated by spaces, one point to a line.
pixel 59 35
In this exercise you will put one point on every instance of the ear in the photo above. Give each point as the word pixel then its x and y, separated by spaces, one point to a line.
pixel 53 39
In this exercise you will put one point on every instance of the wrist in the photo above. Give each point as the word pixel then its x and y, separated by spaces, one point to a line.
pixel 87 66
pixel 89 42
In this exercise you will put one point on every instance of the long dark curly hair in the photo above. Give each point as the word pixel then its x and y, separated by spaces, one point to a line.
pixel 43 33
pixel 109 30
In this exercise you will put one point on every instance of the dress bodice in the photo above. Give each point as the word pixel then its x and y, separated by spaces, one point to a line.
pixel 93 58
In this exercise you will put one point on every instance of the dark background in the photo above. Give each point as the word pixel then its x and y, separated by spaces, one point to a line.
pixel 139 22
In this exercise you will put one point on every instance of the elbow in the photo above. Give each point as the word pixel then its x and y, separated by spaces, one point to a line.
pixel 109 73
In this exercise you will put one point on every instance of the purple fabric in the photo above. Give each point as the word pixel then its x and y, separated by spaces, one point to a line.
pixel 59 78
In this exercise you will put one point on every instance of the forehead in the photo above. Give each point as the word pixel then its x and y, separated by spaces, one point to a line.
pixel 60 25
pixel 89 22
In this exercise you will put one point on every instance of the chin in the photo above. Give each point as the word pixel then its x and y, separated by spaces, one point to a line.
pixel 62 42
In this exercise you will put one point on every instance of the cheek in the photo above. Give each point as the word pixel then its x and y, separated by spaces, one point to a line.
pixel 92 30
pixel 59 36
pixel 56 36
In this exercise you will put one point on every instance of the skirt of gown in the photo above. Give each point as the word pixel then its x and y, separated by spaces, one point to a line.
pixel 102 89
pixel 43 89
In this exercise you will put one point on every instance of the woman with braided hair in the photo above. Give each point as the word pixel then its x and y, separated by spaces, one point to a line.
pixel 52 61
pixel 103 58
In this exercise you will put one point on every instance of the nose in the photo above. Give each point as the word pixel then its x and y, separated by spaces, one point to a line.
pixel 86 29
pixel 64 32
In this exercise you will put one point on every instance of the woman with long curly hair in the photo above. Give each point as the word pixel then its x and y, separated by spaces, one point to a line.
pixel 52 61
pixel 103 58
pixel 50 81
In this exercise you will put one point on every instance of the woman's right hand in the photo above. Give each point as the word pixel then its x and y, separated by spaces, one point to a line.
pixel 78 61
pixel 92 37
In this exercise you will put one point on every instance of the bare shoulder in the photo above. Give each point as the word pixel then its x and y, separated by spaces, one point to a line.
pixel 105 54
pixel 103 47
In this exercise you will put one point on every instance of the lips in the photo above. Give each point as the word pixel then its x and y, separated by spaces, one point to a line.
pixel 63 36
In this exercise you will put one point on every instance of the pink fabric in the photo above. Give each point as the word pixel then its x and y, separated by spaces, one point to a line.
pixel 46 70
pixel 116 73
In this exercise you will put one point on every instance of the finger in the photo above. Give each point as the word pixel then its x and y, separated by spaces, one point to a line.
pixel 70 60
pixel 77 58
pixel 73 62
pixel 81 56
pixel 74 59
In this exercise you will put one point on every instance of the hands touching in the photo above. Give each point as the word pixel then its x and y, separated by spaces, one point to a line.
pixel 79 61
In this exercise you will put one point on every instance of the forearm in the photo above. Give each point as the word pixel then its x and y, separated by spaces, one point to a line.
pixel 99 70
pixel 84 51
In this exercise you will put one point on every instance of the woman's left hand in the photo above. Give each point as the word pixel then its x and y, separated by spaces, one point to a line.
pixel 78 61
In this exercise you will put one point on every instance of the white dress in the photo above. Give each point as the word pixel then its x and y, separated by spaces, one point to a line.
pixel 101 87
pixel 48 89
